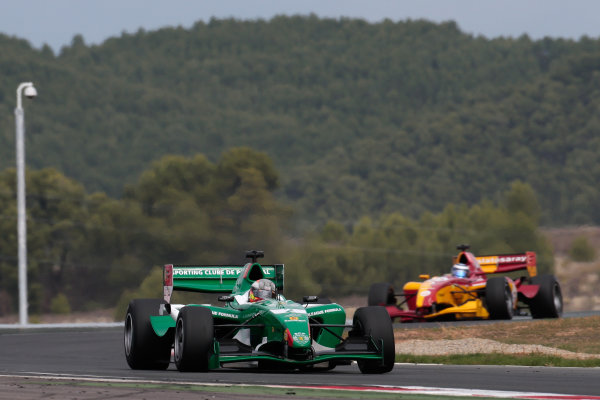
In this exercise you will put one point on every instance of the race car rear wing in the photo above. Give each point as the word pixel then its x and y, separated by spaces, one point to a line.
pixel 211 278
pixel 508 262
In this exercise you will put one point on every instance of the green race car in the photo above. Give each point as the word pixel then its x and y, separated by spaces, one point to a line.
pixel 256 324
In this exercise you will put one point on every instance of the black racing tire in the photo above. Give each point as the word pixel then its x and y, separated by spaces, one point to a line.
pixel 375 322
pixel 498 298
pixel 548 302
pixel 381 294
pixel 324 300
pixel 143 348
pixel 194 337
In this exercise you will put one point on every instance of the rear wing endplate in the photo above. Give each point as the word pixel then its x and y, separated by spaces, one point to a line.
pixel 211 278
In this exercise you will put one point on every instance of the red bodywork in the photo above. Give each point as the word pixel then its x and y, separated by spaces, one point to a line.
pixel 460 298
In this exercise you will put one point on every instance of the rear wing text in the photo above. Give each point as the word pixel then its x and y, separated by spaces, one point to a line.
pixel 508 262
pixel 212 278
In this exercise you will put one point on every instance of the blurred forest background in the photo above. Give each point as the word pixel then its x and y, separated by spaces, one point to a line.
pixel 353 152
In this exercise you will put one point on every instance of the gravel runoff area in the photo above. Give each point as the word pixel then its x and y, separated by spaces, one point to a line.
pixel 480 346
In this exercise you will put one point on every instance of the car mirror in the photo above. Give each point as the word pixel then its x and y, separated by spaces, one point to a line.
pixel 226 299
pixel 310 299
pixel 424 276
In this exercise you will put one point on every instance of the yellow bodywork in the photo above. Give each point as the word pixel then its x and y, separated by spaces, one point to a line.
pixel 465 304
pixel 469 310
pixel 411 286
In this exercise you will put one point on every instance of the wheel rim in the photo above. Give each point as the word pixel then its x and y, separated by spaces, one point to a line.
pixel 509 302
pixel 178 340
pixel 557 300
pixel 128 334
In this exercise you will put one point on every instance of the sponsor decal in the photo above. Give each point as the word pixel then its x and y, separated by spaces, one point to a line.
pixel 215 272
pixel 224 314
pixel 425 293
pixel 487 260
pixel 292 318
pixel 512 259
pixel 495 260
pixel 301 338
pixel 205 272
pixel 320 312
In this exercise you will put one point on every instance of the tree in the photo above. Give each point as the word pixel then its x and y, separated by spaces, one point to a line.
pixel 521 199
pixel 581 250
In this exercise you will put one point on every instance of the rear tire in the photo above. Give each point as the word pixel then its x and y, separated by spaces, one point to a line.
pixel 375 322
pixel 548 302
pixel 381 294
pixel 194 337
pixel 324 300
pixel 499 299
pixel 143 348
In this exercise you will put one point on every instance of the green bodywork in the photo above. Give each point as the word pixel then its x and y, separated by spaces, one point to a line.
pixel 267 325
pixel 221 278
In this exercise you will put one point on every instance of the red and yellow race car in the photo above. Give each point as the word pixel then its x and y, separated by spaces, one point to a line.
pixel 468 293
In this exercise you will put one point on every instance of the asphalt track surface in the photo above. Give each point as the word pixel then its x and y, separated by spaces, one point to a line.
pixel 99 353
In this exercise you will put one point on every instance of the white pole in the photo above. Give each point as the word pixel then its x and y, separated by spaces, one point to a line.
pixel 21 215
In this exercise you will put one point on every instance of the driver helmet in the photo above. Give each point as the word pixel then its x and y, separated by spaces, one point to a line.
pixel 460 270
pixel 261 289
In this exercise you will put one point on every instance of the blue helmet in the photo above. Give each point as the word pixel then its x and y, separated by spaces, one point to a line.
pixel 460 270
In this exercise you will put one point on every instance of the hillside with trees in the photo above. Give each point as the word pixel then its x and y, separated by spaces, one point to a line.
pixel 88 251
pixel 359 118
pixel 353 152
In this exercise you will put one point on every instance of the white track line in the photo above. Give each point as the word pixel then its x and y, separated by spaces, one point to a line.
pixel 433 391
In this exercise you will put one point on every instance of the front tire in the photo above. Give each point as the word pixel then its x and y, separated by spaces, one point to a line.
pixel 381 294
pixel 194 337
pixel 499 298
pixel 548 302
pixel 143 348
pixel 376 323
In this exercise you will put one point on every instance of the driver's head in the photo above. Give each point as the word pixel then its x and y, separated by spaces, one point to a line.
pixel 460 270
pixel 262 289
